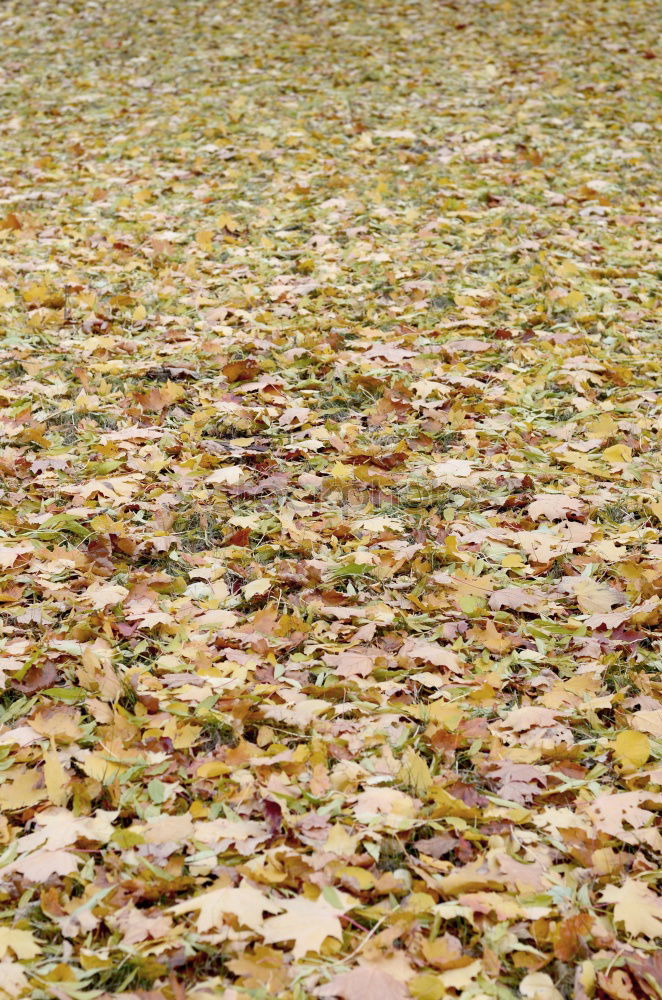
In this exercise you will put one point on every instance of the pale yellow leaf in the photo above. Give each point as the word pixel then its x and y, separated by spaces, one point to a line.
pixel 637 907
pixel 415 772
pixel 305 922
pixel 255 588
pixel 22 791
pixel 20 942
pixel 56 779
pixel 244 902
pixel 229 475
pixel 103 595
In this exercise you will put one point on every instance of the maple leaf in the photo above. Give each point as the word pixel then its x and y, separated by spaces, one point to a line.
pixel 244 902
pixel 647 971
pixel 20 942
pixel 632 748
pixel 415 772
pixel 306 922
pixel 261 968
pixel 13 979
pixel 60 723
pixel 101 595
pixel 21 790
pixel 471 344
pixel 244 835
pixel 364 983
pixel 159 399
pixel 56 779
pixel 623 815
pixel 57 828
pixel 10 553
pixel 517 598
pixel 376 525
pixel 429 652
pixel 39 866
pixel 519 782
pixel 539 986
pixel 570 935
pixel 491 638
pixel 256 588
pixel 386 806
pixel 437 847
pixel 137 925
pixel 554 506
pixel 636 906
pixel 350 663
pixel 612 619
pixel 533 725
pixel 648 721
pixel 229 474
pixel 593 596
pixel 545 544
pixel 452 472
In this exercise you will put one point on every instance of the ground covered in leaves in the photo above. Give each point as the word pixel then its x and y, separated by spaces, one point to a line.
pixel 330 519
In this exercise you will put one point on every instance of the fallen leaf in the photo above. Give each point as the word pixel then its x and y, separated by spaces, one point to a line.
pixel 554 506
pixel 305 922
pixel 364 983
pixel 539 986
pixel 102 595
pixel 245 903
pixel 20 942
pixel 636 906
pixel 632 749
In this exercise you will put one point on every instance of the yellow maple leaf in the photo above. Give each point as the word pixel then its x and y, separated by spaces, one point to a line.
pixel 22 791
pixel 427 986
pixel 342 472
pixel 306 922
pixel 56 779
pixel 22 943
pixel 617 454
pixel 595 597
pixel 604 426
pixel 243 902
pixel 632 749
pixel 255 588
pixel 573 299
pixel 203 238
pixel 446 714
pixel 637 907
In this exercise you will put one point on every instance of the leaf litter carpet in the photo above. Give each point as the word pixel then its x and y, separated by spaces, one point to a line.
pixel 329 534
